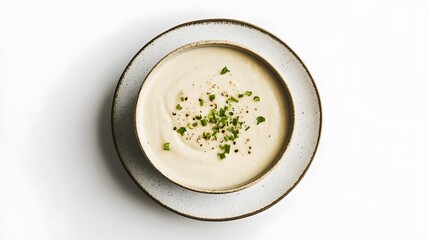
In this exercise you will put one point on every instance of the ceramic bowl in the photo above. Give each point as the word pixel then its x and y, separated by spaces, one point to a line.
pixel 141 115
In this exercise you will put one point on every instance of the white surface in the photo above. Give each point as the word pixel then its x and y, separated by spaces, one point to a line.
pixel 60 177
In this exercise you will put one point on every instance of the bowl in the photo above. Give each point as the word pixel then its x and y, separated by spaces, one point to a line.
pixel 214 117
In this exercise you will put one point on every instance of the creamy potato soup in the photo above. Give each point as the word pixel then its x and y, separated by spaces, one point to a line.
pixel 213 117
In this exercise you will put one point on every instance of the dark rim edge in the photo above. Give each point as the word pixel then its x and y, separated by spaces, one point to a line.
pixel 236 22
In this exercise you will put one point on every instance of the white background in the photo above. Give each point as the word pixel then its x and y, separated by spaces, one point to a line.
pixel 60 177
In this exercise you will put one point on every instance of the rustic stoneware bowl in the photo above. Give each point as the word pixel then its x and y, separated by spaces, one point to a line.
pixel 141 112
pixel 264 193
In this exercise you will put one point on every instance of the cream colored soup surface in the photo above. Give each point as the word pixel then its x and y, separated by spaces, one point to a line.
pixel 199 158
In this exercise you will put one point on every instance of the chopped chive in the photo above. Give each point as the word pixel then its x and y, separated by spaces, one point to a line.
pixel 257 99
pixel 181 130
pixel 212 97
pixel 240 95
pixel 235 121
pixel 226 138
pixel 248 93
pixel 259 120
pixel 223 121
pixel 227 148
pixel 199 117
pixel 221 155
pixel 234 99
pixel 166 146
pixel 182 99
pixel 222 147
pixel 231 113
pixel 221 112
pixel 204 122
pixel 213 120
pixel 178 107
pixel 212 112
pixel 201 101
pixel 207 135
pixel 224 70
pixel 215 129
pixel 189 126
pixel 195 124
pixel 247 128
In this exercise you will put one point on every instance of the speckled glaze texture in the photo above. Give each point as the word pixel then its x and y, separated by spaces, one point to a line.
pixel 280 180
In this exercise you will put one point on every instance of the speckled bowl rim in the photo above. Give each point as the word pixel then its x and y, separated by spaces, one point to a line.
pixel 236 22
pixel 288 101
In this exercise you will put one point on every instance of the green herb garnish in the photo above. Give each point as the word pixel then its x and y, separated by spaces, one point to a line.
pixel 235 121
pixel 222 112
pixel 232 99
pixel 216 129
pixel 259 120
pixel 223 123
pixel 166 146
pixel 227 148
pixel 181 130
pixel 224 70
pixel 207 135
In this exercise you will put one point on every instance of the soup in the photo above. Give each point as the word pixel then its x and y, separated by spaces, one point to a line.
pixel 213 117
